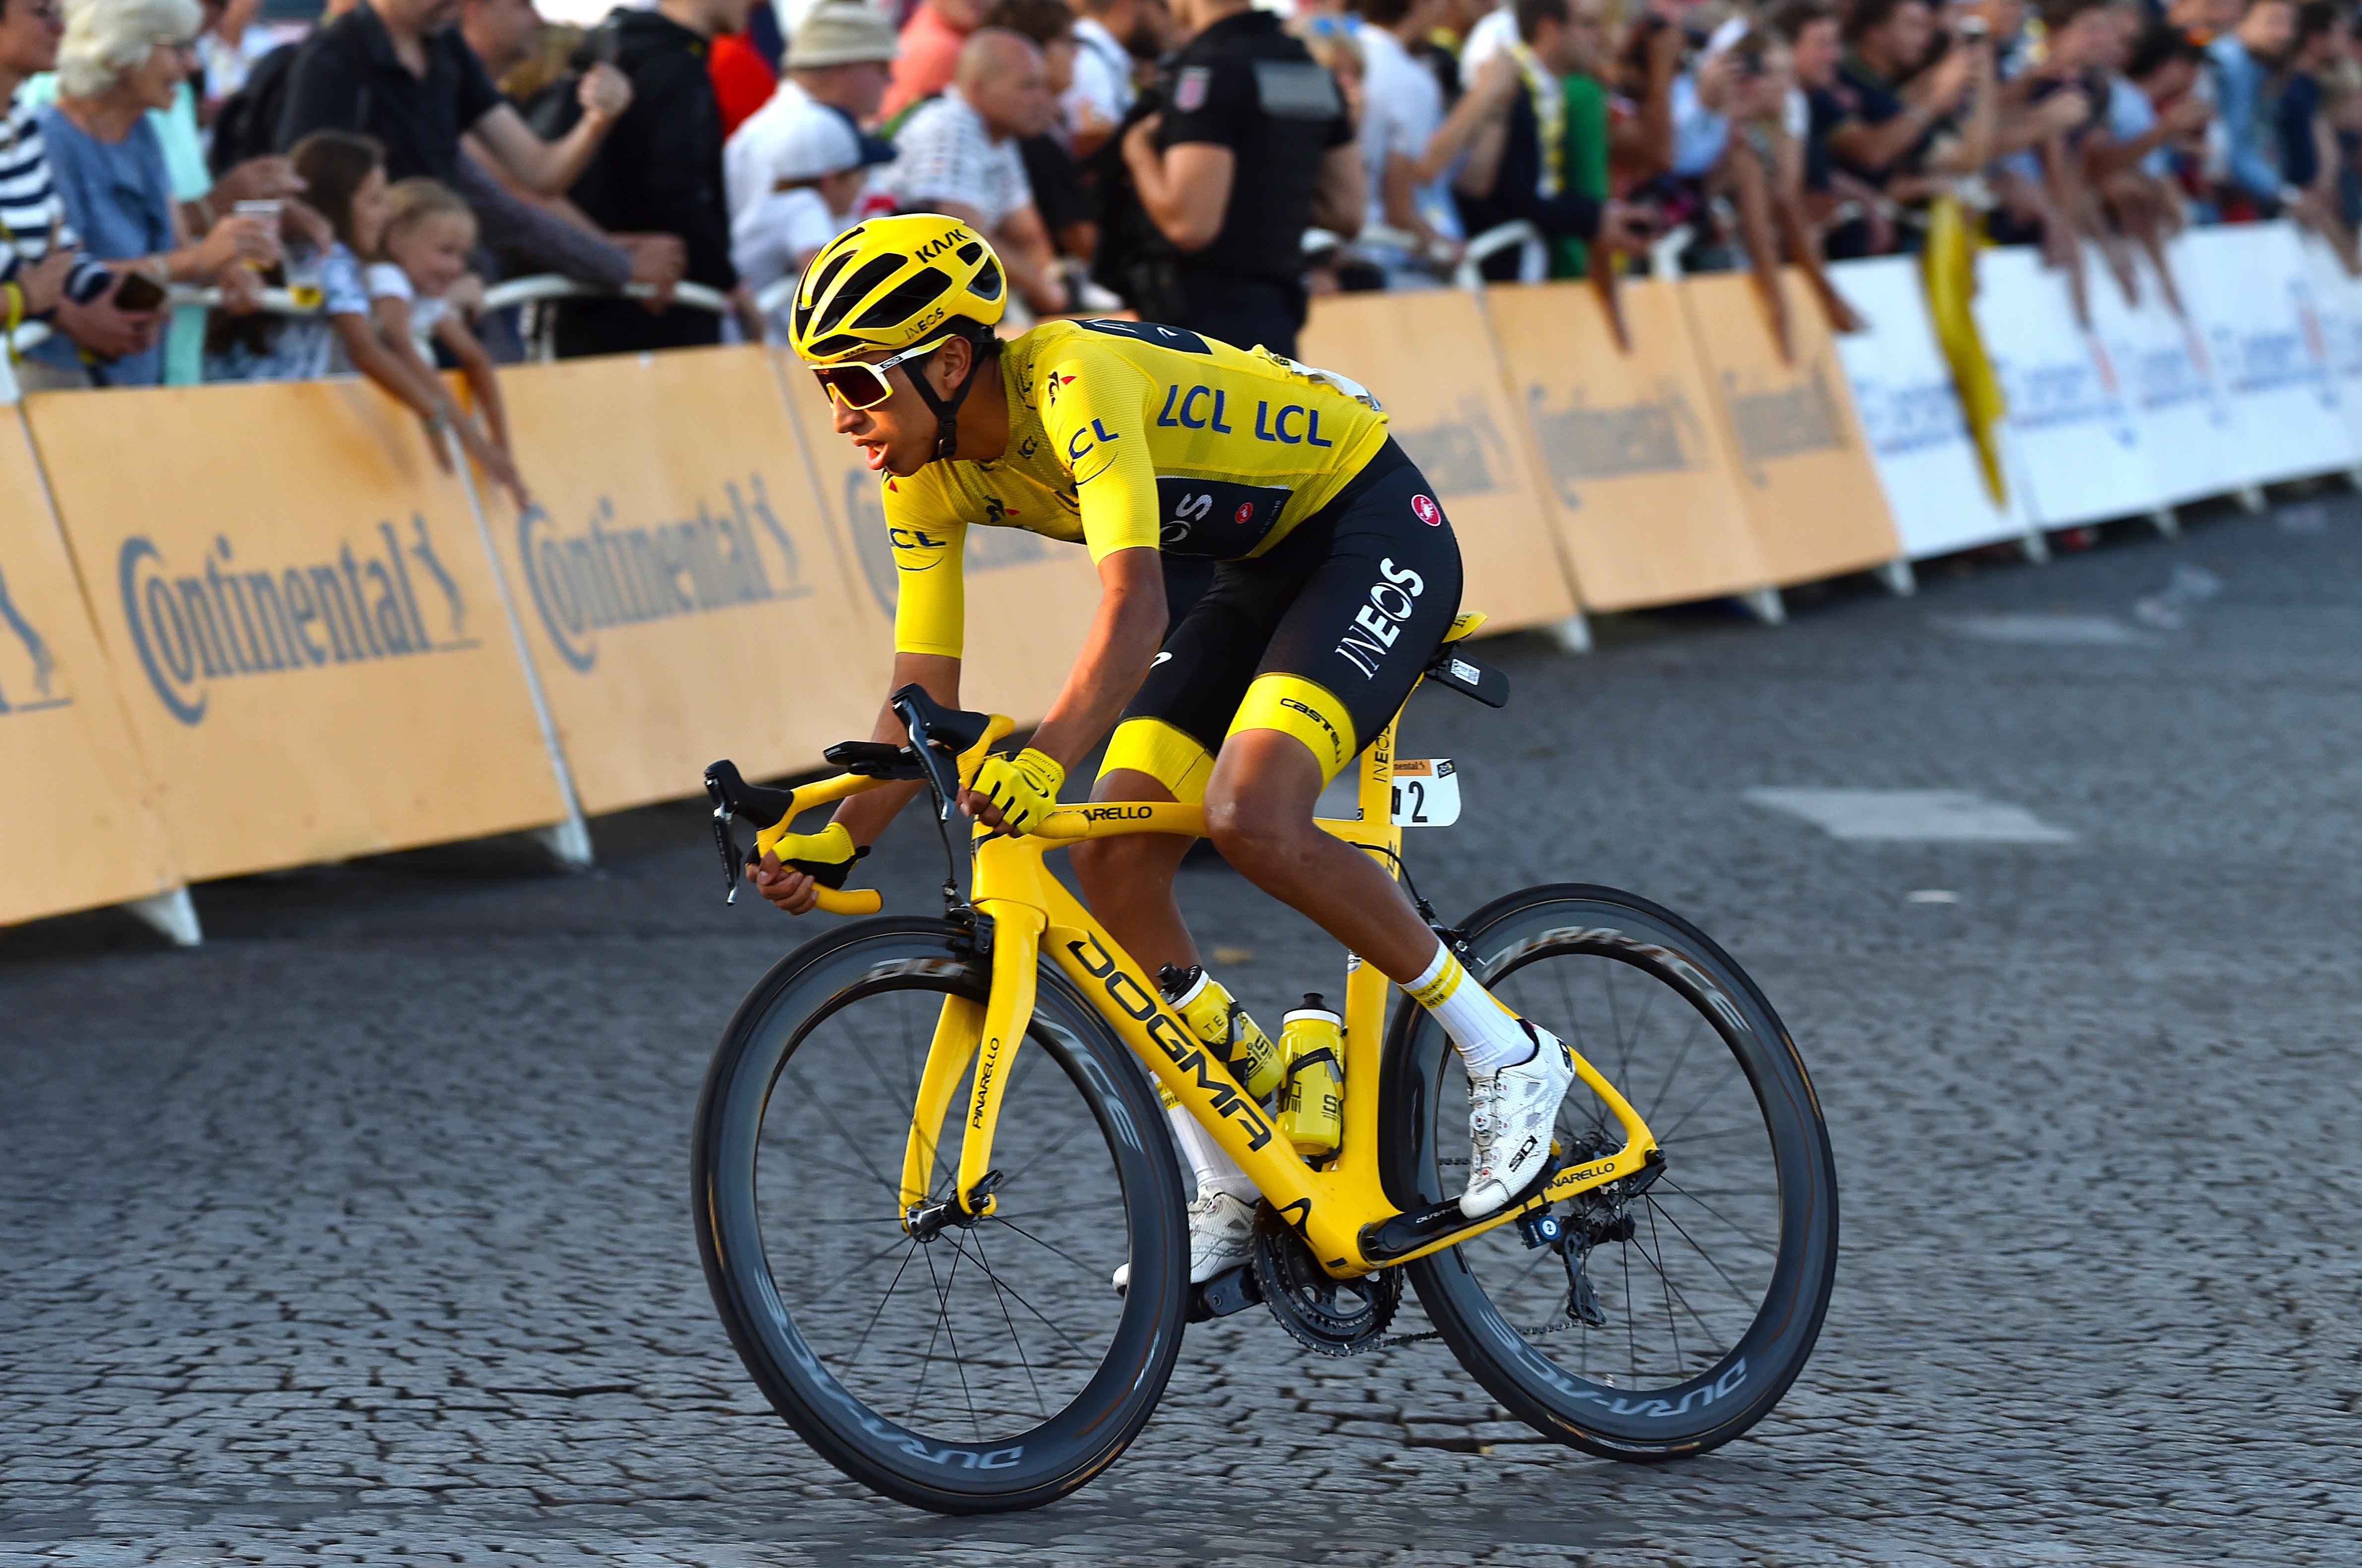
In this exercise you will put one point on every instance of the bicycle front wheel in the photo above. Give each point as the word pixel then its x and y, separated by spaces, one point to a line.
pixel 1680 1303
pixel 993 1366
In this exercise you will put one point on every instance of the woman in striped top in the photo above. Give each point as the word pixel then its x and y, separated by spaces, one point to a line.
pixel 39 263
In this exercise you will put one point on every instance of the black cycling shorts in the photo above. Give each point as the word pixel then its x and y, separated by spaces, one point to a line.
pixel 1322 636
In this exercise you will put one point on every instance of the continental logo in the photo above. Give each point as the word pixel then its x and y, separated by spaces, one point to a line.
pixel 38 688
pixel 1902 417
pixel 1582 445
pixel 599 576
pixel 1773 424
pixel 2262 358
pixel 1213 1080
pixel 988 550
pixel 1466 455
pixel 225 620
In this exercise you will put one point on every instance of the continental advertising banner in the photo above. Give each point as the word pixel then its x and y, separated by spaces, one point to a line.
pixel 1450 413
pixel 1030 600
pixel 1911 415
pixel 310 648
pixel 1803 466
pixel 682 598
pixel 1633 463
pixel 2076 443
pixel 78 825
pixel 2249 290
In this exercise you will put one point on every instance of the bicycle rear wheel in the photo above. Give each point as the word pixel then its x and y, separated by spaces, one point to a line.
pixel 992 1367
pixel 1685 1301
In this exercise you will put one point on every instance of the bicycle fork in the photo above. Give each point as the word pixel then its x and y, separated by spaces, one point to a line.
pixel 990 1034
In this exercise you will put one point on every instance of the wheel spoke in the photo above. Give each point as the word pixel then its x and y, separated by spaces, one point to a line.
pixel 1086 1269
pixel 1713 1089
pixel 1023 1360
pixel 1697 1027
pixel 1019 1294
pixel 1736 1289
pixel 1734 1226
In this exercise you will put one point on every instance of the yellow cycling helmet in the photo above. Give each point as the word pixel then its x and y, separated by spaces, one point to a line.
pixel 888 283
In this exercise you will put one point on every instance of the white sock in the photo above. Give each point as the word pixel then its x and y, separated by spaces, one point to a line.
pixel 1489 1035
pixel 1214 1169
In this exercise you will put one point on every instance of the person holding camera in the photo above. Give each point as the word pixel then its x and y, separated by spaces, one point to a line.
pixel 1244 144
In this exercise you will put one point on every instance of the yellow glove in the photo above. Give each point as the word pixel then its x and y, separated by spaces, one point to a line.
pixel 1025 787
pixel 826 857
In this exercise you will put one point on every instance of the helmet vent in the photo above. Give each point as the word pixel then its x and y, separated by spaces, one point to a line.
pixel 905 300
pixel 874 272
pixel 969 252
pixel 986 283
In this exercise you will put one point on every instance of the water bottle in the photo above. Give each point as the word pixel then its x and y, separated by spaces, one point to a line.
pixel 1312 1100
pixel 1224 1026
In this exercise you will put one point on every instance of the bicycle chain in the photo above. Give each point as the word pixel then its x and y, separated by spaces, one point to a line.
pixel 1395 1342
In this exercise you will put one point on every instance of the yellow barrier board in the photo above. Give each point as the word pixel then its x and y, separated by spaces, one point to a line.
pixel 1804 467
pixel 78 825
pixel 1634 463
pixel 1425 355
pixel 682 599
pixel 299 618
pixel 1030 600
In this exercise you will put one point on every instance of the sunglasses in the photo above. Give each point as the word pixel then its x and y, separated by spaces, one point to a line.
pixel 862 386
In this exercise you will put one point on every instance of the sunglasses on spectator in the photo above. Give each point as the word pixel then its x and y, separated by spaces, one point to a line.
pixel 863 386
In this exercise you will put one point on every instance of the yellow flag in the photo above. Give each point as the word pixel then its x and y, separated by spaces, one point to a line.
pixel 1949 269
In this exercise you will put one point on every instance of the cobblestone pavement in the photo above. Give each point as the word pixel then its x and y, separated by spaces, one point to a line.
pixel 360 1233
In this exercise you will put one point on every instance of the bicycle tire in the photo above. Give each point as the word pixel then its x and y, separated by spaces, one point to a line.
pixel 797 1354
pixel 1474 1294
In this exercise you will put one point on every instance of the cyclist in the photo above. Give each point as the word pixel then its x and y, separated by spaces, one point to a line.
pixel 1337 576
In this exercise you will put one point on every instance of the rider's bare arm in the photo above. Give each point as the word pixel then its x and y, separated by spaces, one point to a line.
pixel 1115 659
pixel 864 816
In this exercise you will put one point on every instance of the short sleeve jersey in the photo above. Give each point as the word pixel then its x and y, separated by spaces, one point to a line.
pixel 1126 434
pixel 348 78
pixel 1247 84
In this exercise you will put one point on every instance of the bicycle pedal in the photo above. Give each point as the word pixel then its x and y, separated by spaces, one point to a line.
pixel 1233 1290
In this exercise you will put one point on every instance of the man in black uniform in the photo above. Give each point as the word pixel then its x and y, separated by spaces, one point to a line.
pixel 1252 146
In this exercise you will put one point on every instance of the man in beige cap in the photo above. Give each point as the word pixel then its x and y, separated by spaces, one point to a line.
pixel 838 64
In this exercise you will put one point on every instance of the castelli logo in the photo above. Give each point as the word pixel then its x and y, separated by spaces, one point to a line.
pixel 1245 513
pixel 1428 511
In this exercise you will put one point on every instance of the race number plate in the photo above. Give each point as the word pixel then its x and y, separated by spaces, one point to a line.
pixel 1426 793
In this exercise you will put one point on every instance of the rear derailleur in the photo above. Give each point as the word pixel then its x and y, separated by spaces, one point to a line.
pixel 1594 1219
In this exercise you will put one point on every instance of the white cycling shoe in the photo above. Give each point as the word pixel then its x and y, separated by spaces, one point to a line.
pixel 1221 1229
pixel 1510 1114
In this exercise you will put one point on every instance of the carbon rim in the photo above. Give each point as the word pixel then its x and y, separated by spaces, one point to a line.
pixel 997 1357
pixel 1697 1301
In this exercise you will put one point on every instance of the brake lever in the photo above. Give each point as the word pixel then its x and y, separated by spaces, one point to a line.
pixel 726 841
pixel 942 769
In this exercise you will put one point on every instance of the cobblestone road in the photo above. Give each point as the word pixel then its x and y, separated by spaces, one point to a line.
pixel 360 1233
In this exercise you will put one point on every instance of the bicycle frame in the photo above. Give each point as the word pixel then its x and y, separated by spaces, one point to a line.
pixel 1337 1208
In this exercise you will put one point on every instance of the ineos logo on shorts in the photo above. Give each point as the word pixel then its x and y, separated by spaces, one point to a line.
pixel 1377 624
pixel 1424 508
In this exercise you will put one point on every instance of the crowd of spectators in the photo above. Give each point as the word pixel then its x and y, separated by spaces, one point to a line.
pixel 1170 156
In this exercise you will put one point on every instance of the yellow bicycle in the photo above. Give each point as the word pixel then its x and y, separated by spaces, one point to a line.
pixel 925 1145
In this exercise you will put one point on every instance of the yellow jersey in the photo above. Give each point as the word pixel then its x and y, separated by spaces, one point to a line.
pixel 1126 434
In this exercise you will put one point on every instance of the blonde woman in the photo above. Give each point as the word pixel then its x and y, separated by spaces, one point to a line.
pixel 118 60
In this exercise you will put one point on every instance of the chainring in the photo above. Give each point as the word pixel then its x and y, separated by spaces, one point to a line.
pixel 1334 1317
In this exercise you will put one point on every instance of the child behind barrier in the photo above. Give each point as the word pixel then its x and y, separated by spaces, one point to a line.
pixel 344 177
pixel 420 284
